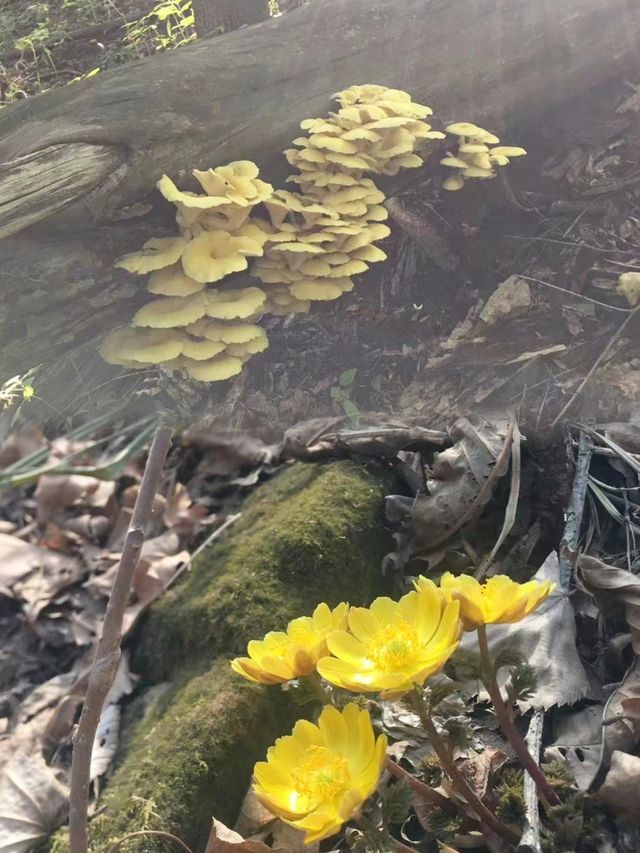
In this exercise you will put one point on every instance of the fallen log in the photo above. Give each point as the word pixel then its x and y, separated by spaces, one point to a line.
pixel 243 95
pixel 78 165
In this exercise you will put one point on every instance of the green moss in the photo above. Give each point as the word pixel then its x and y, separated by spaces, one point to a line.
pixel 312 533
pixel 195 748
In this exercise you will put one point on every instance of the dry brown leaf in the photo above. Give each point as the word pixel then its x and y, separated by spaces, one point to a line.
pixel 32 804
pixel 620 790
pixel 462 480
pixel 35 575
pixel 225 840
pixel 613 587
pixel 57 492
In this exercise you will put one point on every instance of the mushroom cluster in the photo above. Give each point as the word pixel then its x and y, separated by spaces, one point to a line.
pixel 206 331
pixel 478 155
pixel 326 233
pixel 306 245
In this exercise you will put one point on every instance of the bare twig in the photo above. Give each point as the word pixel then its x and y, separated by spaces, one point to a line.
pixel 597 363
pixel 530 841
pixel 575 510
pixel 105 663
pixel 573 293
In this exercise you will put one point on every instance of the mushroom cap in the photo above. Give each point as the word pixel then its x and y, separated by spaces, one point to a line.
pixel 140 347
pixel 498 159
pixel 226 333
pixel 156 253
pixel 236 182
pixel 453 162
pixel 404 161
pixel 201 349
pixel 215 369
pixel 485 136
pixel 464 128
pixel 473 148
pixel 352 267
pixel 483 161
pixel 172 281
pixel 332 143
pixel 371 254
pixel 453 183
pixel 169 312
pixel 349 161
pixel 629 287
pixel 508 151
pixel 478 172
pixel 251 347
pixel 234 304
pixel 316 290
pixel 213 255
pixel 376 213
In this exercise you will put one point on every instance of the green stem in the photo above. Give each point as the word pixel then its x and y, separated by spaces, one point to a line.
pixel 320 691
pixel 505 719
pixel 458 781
pixel 426 792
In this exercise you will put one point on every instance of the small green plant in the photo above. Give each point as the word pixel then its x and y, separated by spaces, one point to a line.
pixel 169 24
pixel 341 394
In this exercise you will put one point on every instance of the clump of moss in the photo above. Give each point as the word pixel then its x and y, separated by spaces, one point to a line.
pixel 510 792
pixel 314 533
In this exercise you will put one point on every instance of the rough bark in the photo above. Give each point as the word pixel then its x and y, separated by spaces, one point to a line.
pixel 223 16
pixel 78 165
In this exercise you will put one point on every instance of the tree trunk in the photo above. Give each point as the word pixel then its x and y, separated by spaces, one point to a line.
pixel 223 16
pixel 80 163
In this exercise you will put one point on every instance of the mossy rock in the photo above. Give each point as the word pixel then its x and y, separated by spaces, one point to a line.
pixel 312 533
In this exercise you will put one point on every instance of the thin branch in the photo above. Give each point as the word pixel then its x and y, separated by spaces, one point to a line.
pixel 597 363
pixel 530 841
pixel 575 510
pixel 105 663
pixel 155 833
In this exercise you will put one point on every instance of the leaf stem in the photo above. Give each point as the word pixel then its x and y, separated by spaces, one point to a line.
pixel 503 713
pixel 458 781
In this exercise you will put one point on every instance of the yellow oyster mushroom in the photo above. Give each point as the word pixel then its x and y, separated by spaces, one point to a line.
pixel 318 777
pixel 185 199
pixel 507 151
pixel 478 172
pixel 376 213
pixel 172 281
pixel 455 182
pixel 257 344
pixel 213 255
pixel 629 287
pixel 215 369
pixel 499 600
pixel 465 128
pixel 393 645
pixel 453 162
pixel 352 267
pixel 140 347
pixel 156 253
pixel 227 333
pixel 316 290
pixel 350 161
pixel 473 148
pixel 370 254
pixel 404 161
pixel 234 304
pixel 169 312
pixel 201 349
pixel 236 182
pixel 284 655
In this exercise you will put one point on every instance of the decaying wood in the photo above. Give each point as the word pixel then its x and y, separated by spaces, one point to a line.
pixel 223 16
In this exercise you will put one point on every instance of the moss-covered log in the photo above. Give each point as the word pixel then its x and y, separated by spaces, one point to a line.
pixel 313 533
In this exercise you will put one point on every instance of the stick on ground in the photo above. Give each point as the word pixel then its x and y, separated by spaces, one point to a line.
pixel 105 663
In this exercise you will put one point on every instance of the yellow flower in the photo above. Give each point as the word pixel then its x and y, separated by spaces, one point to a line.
pixel 393 644
pixel 500 599
pixel 282 656
pixel 317 777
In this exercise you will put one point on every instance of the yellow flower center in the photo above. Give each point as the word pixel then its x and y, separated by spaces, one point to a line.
pixel 394 647
pixel 322 775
